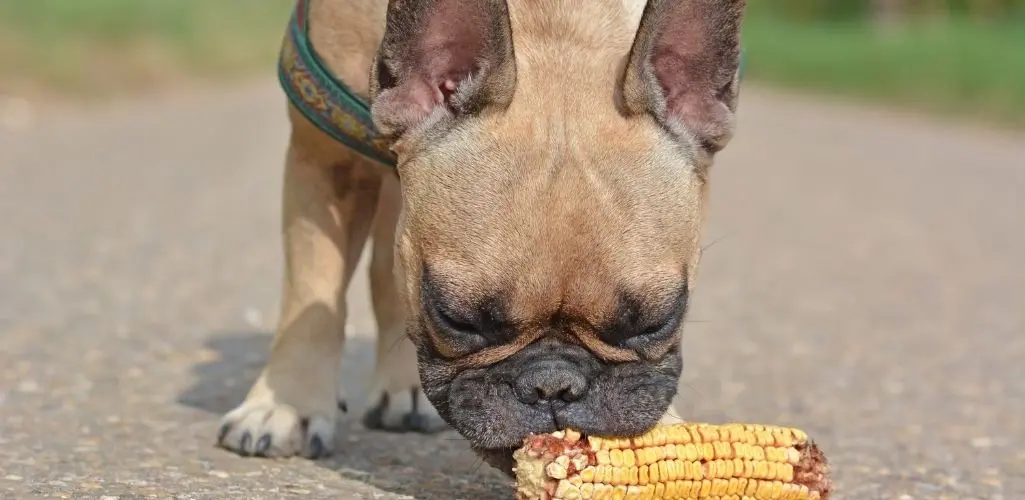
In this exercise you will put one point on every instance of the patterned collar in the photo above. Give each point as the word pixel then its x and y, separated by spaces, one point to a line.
pixel 324 99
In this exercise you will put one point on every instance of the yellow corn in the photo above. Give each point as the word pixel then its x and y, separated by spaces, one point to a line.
pixel 677 461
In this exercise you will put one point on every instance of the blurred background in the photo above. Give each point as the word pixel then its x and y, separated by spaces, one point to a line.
pixel 102 48
pixel 948 56
pixel 945 56
pixel 862 275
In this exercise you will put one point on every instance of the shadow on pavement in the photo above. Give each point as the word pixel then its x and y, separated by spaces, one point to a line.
pixel 420 466
pixel 223 382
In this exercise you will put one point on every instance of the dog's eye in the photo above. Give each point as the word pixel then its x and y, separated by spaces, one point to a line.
pixel 662 327
pixel 638 326
pixel 468 330
pixel 464 325
pixel 461 331
pixel 654 333
pixel 453 322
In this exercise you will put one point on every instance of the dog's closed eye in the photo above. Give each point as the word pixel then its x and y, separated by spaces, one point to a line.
pixel 452 321
pixel 463 332
pixel 640 325
pixel 465 326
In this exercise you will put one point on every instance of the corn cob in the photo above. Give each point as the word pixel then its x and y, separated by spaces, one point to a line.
pixel 674 461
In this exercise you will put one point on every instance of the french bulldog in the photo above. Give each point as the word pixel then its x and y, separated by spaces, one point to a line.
pixel 536 244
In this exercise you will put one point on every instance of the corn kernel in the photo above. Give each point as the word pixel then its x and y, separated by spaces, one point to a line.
pixel 683 461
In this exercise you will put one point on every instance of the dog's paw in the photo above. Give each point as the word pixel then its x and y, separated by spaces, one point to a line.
pixel 263 427
pixel 403 411
pixel 396 403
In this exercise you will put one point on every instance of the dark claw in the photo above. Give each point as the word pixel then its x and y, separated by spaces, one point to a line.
pixel 374 418
pixel 243 446
pixel 415 422
pixel 223 431
pixel 316 448
pixel 420 423
pixel 342 405
pixel 262 446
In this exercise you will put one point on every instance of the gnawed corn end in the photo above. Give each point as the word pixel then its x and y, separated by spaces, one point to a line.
pixel 678 461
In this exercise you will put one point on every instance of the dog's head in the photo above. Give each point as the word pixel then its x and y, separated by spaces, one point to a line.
pixel 554 160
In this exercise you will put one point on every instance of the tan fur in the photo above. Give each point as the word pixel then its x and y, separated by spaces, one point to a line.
pixel 328 205
pixel 559 218
pixel 562 203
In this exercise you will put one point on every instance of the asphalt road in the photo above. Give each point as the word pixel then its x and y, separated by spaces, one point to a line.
pixel 866 284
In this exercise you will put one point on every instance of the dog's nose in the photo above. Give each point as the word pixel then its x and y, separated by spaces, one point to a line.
pixel 550 381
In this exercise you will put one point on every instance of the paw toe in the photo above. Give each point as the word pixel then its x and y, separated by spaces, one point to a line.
pixel 262 445
pixel 319 438
pixel 406 411
pixel 274 431
pixel 315 449
pixel 416 422
pixel 374 417
pixel 244 445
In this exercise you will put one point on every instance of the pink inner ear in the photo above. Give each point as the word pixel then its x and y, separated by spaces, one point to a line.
pixel 688 61
pixel 424 96
pixel 454 38
pixel 408 103
pixel 438 47
pixel 706 117
pixel 447 88
pixel 683 64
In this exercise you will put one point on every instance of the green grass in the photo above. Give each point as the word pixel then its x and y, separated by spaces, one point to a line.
pixel 952 68
pixel 111 46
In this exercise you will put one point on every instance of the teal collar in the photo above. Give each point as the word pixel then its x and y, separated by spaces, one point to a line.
pixel 322 98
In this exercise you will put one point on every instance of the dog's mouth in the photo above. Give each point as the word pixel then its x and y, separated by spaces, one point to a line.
pixel 499 458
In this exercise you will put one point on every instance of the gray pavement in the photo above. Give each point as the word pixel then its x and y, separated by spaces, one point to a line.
pixel 867 285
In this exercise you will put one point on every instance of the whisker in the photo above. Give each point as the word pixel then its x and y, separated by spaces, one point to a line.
pixel 713 242
pixel 480 464
pixel 397 341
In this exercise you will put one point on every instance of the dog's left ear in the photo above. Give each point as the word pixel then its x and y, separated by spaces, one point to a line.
pixel 441 60
pixel 683 68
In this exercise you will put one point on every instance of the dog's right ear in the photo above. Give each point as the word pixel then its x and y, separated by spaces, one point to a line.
pixel 441 59
pixel 683 68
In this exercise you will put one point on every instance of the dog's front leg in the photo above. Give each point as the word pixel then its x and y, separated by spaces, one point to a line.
pixel 328 209
pixel 397 402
